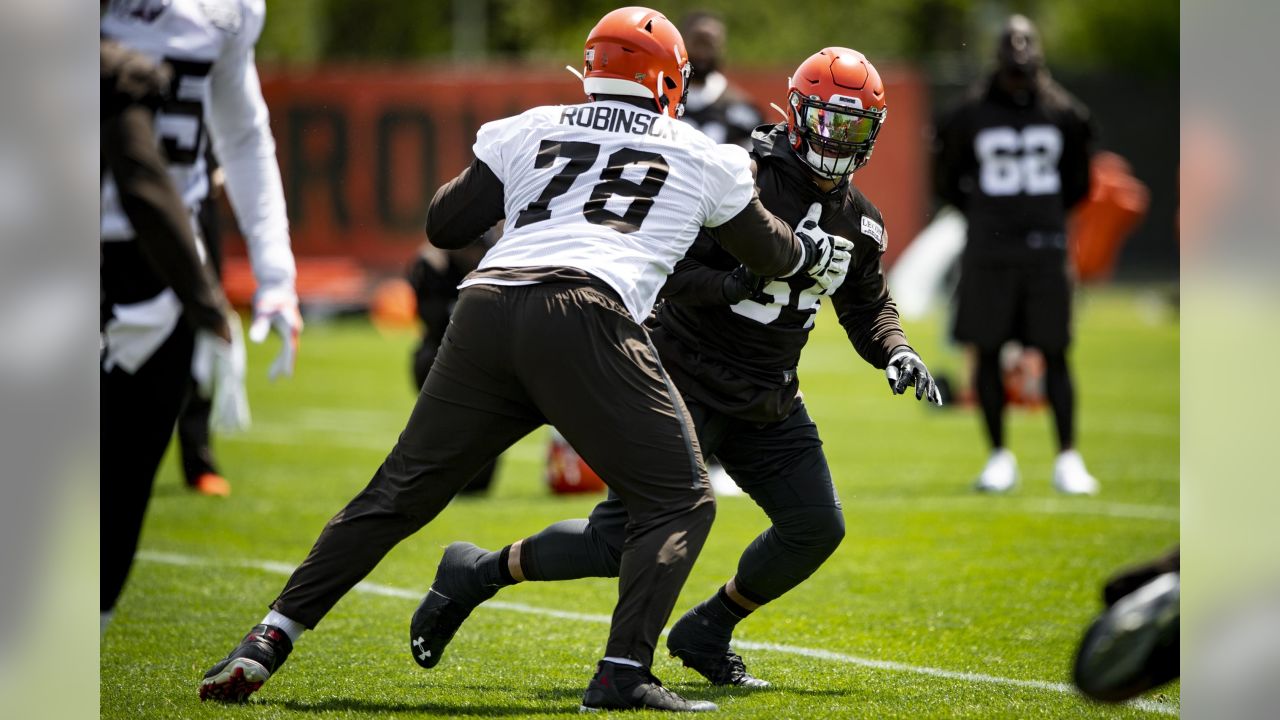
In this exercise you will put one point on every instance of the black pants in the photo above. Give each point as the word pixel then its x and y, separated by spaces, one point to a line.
pixel 780 465
pixel 137 417
pixel 514 358
pixel 193 435
pixel 193 423
pixel 423 358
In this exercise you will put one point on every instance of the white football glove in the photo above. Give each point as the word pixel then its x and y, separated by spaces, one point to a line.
pixel 906 369
pixel 277 309
pixel 218 367
pixel 828 255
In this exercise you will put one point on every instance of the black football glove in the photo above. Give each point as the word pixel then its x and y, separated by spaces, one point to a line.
pixel 906 369
pixel 826 256
pixel 742 284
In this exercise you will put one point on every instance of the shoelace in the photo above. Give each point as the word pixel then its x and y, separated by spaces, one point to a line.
pixel 275 649
pixel 661 689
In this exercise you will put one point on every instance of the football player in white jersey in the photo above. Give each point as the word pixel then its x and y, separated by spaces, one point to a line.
pixel 601 199
pixel 732 345
pixel 147 354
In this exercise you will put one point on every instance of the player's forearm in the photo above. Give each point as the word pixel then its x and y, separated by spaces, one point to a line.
pixel 161 223
pixel 1075 182
pixel 465 208
pixel 948 182
pixel 869 317
pixel 950 192
pixel 877 335
pixel 881 336
pixel 695 284
pixel 240 127
pixel 257 197
pixel 765 244
pixel 949 167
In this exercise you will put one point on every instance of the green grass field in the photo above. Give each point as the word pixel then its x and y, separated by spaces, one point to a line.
pixel 940 603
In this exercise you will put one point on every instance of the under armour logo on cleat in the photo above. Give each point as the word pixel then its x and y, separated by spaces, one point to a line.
pixel 418 644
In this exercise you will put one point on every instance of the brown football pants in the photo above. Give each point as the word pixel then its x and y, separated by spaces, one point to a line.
pixel 513 358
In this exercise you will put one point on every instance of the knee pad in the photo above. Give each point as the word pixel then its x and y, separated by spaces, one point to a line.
pixel 828 528
pixel 816 529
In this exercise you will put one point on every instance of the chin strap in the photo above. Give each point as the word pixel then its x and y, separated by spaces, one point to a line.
pixel 781 112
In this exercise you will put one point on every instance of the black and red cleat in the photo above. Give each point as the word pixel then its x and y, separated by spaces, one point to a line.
pixel 623 687
pixel 248 666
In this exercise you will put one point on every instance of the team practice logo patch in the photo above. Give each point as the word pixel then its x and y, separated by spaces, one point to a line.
pixel 873 230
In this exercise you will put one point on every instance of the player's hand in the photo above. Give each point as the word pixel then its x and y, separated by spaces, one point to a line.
pixel 827 256
pixel 741 284
pixel 906 369
pixel 218 366
pixel 277 309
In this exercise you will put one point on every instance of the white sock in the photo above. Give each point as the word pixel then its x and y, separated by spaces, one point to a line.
pixel 622 661
pixel 292 628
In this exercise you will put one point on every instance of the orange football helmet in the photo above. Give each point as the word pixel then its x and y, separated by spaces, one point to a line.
pixel 637 51
pixel 835 107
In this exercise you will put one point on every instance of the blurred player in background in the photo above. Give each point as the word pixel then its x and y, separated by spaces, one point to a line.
pixel 1014 158
pixel 732 340
pixel 601 199
pixel 199 467
pixel 141 392
pixel 435 275
pixel 715 106
pixel 213 91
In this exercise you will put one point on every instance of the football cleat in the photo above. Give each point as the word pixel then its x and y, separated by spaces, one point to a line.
pixel 248 666
pixel 1070 476
pixel 623 687
pixel 1000 473
pixel 456 591
pixel 211 484
pixel 705 650
pixel 1132 647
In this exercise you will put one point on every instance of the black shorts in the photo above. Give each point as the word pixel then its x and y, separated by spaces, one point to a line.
pixel 1024 297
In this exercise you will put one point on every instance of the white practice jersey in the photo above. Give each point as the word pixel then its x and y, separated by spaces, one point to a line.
pixel 611 189
pixel 214 95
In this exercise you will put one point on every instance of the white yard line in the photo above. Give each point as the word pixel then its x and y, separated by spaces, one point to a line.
pixel 1047 506
pixel 280 568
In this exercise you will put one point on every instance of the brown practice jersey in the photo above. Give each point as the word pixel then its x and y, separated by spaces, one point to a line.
pixel 1015 168
pixel 741 358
